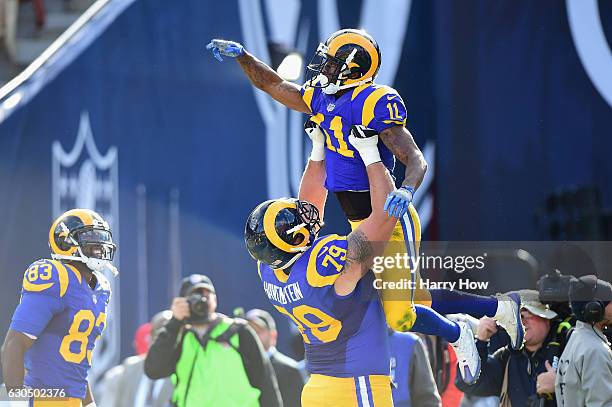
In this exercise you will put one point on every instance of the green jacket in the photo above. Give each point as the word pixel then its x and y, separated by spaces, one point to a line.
pixel 227 367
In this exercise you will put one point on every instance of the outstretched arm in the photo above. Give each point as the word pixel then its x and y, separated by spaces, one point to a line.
pixel 399 140
pixel 265 78
pixel 261 75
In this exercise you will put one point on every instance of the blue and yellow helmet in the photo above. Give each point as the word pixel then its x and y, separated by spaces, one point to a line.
pixel 347 59
pixel 278 231
pixel 82 235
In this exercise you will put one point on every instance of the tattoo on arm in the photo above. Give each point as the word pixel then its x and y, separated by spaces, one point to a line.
pixel 260 74
pixel 360 249
pixel 399 140
pixel 265 78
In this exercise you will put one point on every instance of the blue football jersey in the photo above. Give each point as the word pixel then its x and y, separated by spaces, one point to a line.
pixel 344 336
pixel 66 316
pixel 374 106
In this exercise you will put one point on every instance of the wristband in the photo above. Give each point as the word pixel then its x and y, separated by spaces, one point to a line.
pixel 318 152
pixel 369 155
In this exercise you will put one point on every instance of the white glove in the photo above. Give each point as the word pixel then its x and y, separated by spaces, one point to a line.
pixel 318 140
pixel 365 140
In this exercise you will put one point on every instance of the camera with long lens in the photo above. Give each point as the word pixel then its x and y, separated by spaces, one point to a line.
pixel 554 288
pixel 198 308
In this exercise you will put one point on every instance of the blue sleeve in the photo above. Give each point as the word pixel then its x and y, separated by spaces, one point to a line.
pixel 389 111
pixel 34 313
pixel 44 284
pixel 326 260
pixel 309 96
pixel 49 277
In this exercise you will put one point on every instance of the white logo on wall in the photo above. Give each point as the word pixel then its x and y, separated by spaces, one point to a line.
pixel 84 178
pixel 591 44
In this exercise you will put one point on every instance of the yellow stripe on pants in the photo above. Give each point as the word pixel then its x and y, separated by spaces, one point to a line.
pixel 329 391
pixel 57 402
pixel 398 302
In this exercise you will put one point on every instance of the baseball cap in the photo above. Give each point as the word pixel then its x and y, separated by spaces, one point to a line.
pixel 194 281
pixel 142 338
pixel 530 300
pixel 261 318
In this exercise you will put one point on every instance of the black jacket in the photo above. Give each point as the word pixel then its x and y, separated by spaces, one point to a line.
pixel 523 370
pixel 289 377
pixel 166 350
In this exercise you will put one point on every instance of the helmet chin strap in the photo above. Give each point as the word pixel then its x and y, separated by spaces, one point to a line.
pixel 333 88
pixel 290 262
pixel 93 264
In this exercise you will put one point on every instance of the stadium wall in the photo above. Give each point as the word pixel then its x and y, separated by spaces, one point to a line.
pixel 133 118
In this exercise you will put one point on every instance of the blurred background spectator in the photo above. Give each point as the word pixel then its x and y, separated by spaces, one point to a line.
pixel 213 360
pixel 126 385
pixel 414 384
pixel 527 376
pixel 28 27
pixel 8 28
pixel 585 369
pixel 443 363
pixel 288 375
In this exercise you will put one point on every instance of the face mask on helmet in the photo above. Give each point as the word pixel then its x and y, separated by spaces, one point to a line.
pixel 95 248
pixel 282 247
pixel 309 215
pixel 326 71
pixel 348 58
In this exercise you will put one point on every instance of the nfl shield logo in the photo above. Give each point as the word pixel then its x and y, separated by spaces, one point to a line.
pixel 85 178
pixel 331 107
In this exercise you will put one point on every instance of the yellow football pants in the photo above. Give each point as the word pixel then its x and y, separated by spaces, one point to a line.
pixel 328 391
pixel 59 402
pixel 398 302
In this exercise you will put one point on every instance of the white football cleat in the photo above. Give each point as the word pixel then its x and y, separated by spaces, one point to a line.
pixel 508 316
pixel 468 358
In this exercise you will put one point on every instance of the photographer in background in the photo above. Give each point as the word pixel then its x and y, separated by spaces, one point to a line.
pixel 584 376
pixel 288 375
pixel 523 377
pixel 214 360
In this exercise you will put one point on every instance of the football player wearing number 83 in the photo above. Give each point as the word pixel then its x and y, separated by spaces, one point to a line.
pixel 62 312
pixel 323 284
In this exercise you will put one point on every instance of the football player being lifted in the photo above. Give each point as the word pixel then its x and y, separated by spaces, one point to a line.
pixel 48 349
pixel 340 95
pixel 324 284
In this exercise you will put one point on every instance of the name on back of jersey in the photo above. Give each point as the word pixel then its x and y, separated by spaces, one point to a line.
pixel 283 295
